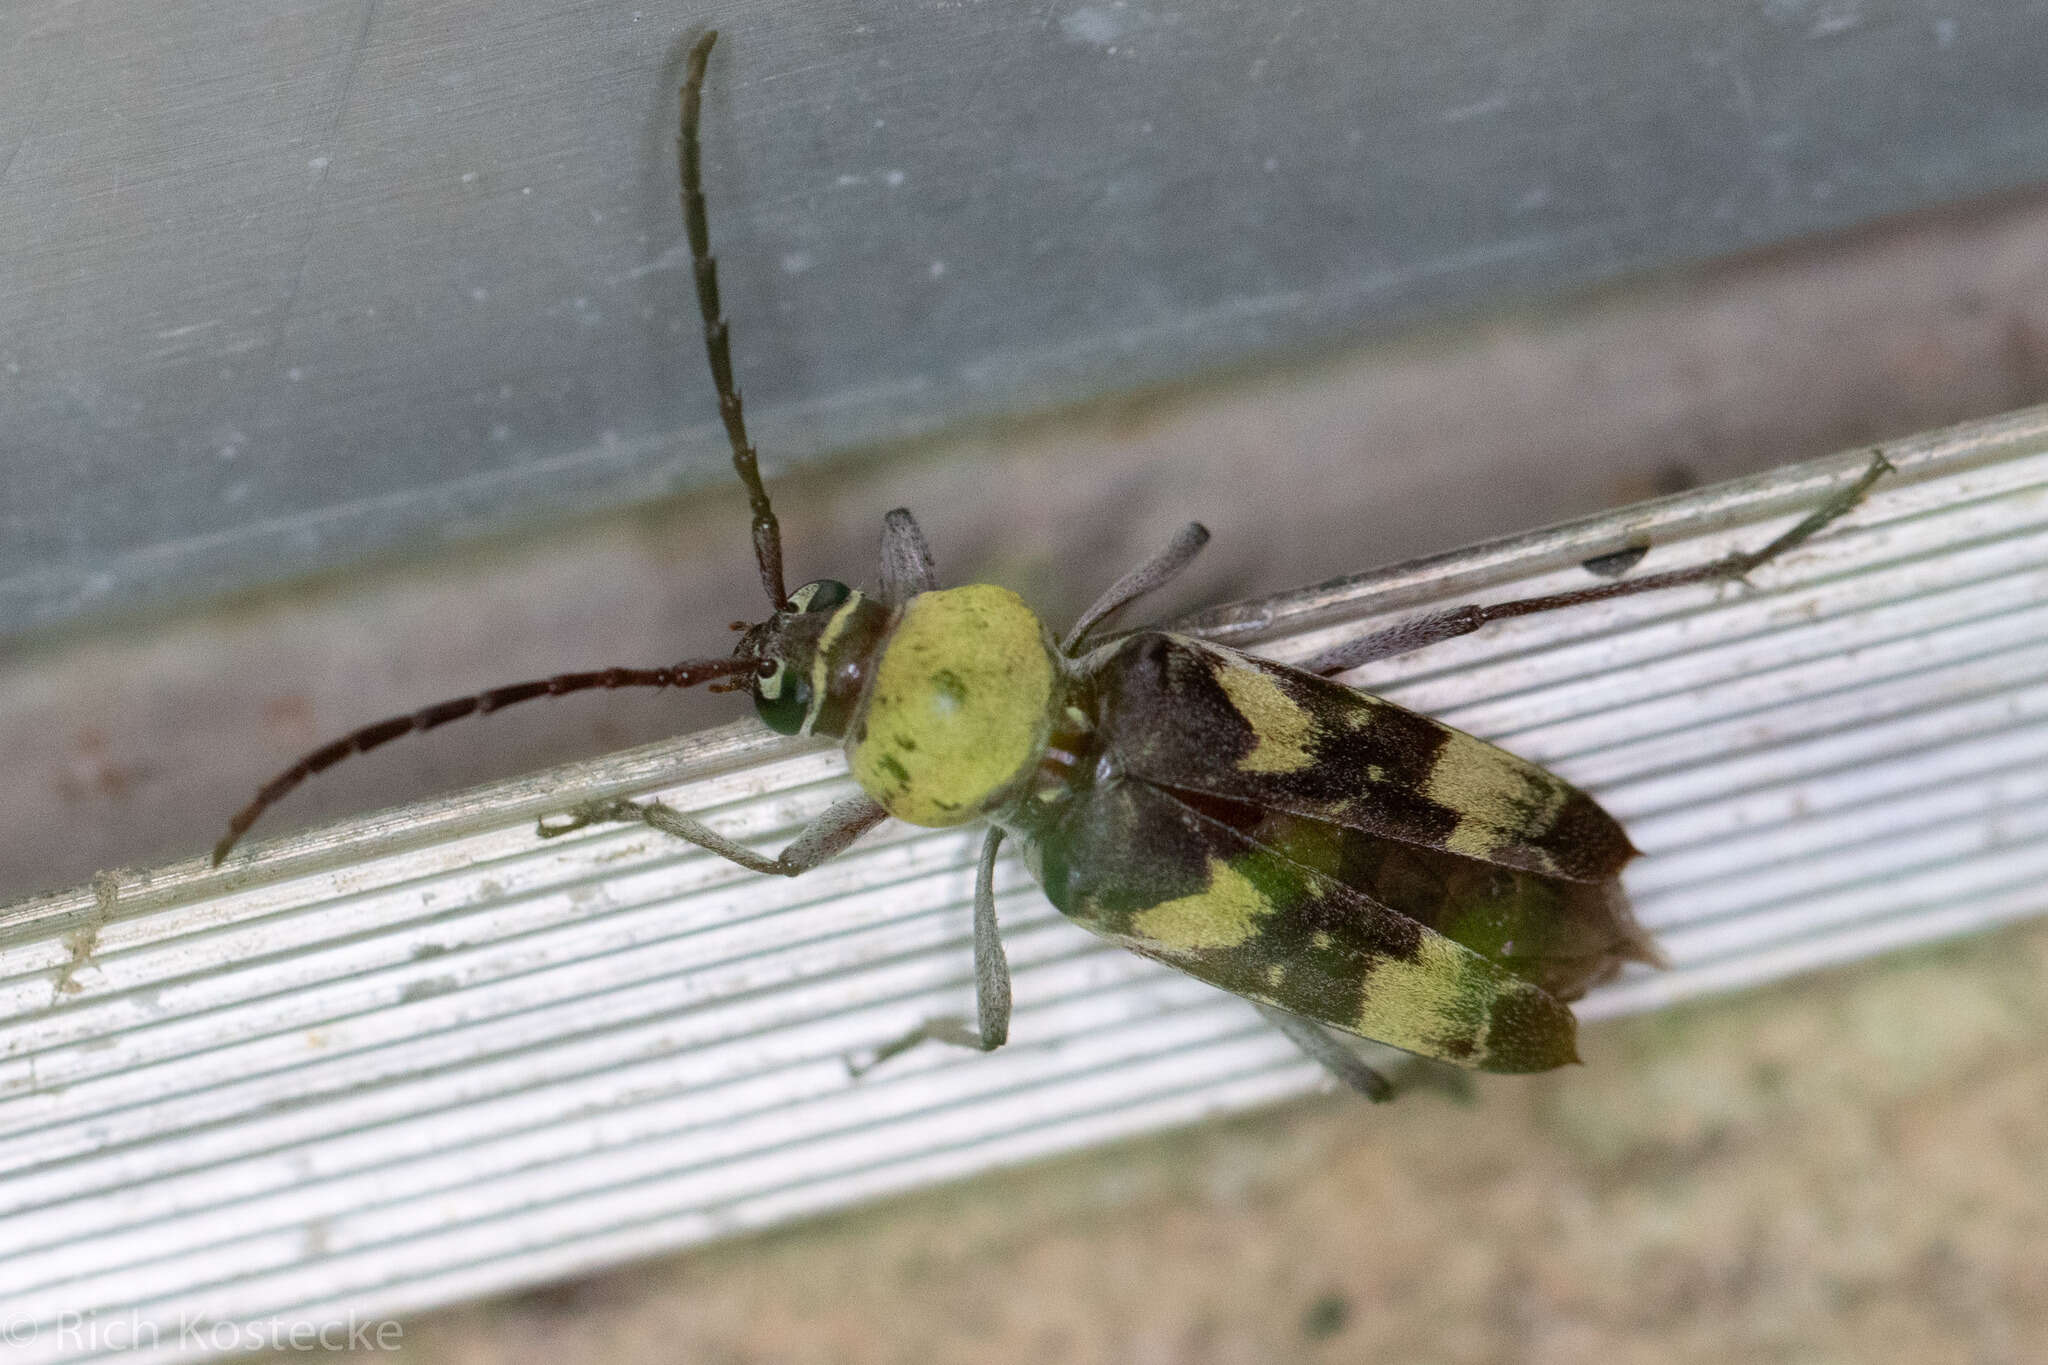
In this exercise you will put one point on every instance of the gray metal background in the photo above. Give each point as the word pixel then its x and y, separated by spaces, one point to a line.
pixel 284 284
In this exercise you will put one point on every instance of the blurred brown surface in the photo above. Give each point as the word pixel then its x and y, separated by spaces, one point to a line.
pixel 1850 1168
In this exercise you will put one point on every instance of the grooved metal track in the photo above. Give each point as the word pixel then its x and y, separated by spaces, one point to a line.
pixel 423 1056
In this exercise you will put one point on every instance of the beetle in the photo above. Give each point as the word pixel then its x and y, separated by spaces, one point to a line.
pixel 1340 861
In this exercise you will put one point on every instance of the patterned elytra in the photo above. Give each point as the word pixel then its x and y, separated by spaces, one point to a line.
pixel 1221 827
pixel 1196 715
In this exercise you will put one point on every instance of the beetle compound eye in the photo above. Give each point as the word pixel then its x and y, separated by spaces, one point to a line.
pixel 782 697
pixel 822 595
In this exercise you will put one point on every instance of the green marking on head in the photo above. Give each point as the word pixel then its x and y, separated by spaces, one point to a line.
pixel 813 656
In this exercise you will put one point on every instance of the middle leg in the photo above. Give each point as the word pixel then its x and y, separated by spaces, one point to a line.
pixel 991 980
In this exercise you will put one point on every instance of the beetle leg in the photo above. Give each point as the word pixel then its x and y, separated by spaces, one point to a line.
pixel 1403 637
pixel 991 965
pixel 950 1029
pixel 1331 1055
pixel 906 559
pixel 991 981
pixel 1154 573
pixel 838 826
pixel 1419 631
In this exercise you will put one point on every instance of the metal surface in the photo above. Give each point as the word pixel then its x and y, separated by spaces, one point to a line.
pixel 424 1057
pixel 283 286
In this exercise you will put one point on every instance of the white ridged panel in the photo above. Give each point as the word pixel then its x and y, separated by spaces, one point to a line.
pixel 423 1056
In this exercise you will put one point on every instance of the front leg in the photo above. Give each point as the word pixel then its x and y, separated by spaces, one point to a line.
pixel 841 823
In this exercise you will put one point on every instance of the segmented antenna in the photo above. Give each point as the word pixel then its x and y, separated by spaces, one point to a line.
pixel 361 741
pixel 717 335
pixel 767 531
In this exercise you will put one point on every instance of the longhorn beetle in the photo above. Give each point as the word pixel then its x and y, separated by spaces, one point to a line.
pixel 1339 861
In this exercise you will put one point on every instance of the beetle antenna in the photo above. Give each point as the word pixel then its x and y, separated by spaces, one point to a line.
pixel 686 674
pixel 717 336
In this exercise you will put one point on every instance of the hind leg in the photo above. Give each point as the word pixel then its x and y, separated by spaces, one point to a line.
pixel 1419 632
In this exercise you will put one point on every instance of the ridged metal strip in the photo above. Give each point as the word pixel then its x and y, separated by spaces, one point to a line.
pixel 423 1056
